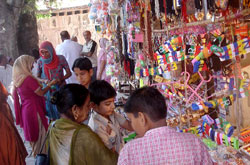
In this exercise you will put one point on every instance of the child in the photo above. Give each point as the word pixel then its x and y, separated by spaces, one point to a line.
pixel 83 70
pixel 103 120
pixel 158 143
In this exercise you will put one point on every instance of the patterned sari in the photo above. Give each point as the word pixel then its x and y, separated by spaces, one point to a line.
pixel 51 68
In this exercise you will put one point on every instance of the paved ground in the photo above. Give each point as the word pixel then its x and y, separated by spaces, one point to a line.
pixel 30 160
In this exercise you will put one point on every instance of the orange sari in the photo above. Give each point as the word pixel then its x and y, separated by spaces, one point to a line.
pixel 12 150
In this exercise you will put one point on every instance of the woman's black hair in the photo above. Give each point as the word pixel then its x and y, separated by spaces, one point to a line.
pixel 68 96
pixel 83 63
pixel 147 100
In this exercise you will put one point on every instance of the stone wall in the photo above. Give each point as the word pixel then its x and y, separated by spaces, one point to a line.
pixel 71 20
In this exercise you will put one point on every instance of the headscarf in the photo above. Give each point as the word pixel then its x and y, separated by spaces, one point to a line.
pixel 22 69
pixel 50 63
pixel 103 43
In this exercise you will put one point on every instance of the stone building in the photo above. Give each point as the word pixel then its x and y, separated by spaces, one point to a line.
pixel 74 19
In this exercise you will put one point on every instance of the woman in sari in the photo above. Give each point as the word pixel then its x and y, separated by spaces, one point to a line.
pixel 102 60
pixel 12 150
pixel 51 66
pixel 70 141
pixel 30 111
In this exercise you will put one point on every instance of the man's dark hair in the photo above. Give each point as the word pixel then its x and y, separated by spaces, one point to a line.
pixel 1 57
pixel 147 100
pixel 64 35
pixel 35 53
pixel 83 63
pixel 87 31
pixel 101 90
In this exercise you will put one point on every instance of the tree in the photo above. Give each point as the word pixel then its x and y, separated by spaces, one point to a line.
pixel 9 15
pixel 18 27
pixel 27 36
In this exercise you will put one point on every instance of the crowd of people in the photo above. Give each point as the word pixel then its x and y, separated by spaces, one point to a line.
pixel 63 97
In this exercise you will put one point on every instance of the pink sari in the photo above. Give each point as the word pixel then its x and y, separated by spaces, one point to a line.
pixel 102 57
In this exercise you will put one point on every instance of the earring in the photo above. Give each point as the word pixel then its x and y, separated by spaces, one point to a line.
pixel 75 116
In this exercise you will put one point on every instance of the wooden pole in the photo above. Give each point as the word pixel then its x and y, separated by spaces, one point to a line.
pixel 148 31
pixel 204 2
pixel 236 104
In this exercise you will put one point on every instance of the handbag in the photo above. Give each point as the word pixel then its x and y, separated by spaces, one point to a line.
pixel 44 159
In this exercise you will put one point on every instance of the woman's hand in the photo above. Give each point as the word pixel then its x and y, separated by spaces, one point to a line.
pixel 45 81
pixel 53 82
pixel 59 81
pixel 41 91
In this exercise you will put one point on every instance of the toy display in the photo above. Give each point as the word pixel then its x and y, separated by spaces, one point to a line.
pixel 192 51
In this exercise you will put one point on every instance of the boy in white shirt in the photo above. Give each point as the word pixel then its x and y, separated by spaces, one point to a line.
pixel 104 120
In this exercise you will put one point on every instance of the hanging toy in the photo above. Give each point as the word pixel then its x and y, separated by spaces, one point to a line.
pixel 132 31
pixel 113 7
pixel 142 59
pixel 104 5
pixel 137 70
pixel 221 4
pixel 93 10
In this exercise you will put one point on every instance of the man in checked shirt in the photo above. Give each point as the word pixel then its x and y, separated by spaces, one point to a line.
pixel 158 144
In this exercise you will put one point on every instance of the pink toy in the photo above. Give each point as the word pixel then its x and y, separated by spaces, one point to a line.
pixel 198 87
pixel 194 91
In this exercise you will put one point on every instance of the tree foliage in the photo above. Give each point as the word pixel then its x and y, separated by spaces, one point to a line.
pixel 31 7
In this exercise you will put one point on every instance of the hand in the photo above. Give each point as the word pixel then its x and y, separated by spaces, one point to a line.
pixel 45 81
pixel 53 82
pixel 108 129
pixel 59 81
pixel 113 149
pixel 83 54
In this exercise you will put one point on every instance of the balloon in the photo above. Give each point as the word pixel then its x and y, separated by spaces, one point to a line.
pixel 95 1
pixel 141 57
pixel 92 16
pixel 93 10
pixel 142 63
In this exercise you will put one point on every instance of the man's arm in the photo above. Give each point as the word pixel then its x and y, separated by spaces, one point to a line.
pixel 85 54
pixel 92 50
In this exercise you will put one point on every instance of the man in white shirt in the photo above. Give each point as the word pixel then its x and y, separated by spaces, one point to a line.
pixel 70 50
pixel 6 77
pixel 5 72
pixel 35 54
pixel 89 50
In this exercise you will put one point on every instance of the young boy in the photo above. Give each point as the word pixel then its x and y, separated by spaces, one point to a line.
pixel 83 70
pixel 158 143
pixel 103 120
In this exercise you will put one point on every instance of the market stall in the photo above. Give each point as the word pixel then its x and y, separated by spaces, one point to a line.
pixel 196 52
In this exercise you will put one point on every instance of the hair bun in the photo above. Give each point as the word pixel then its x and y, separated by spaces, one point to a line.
pixel 55 98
